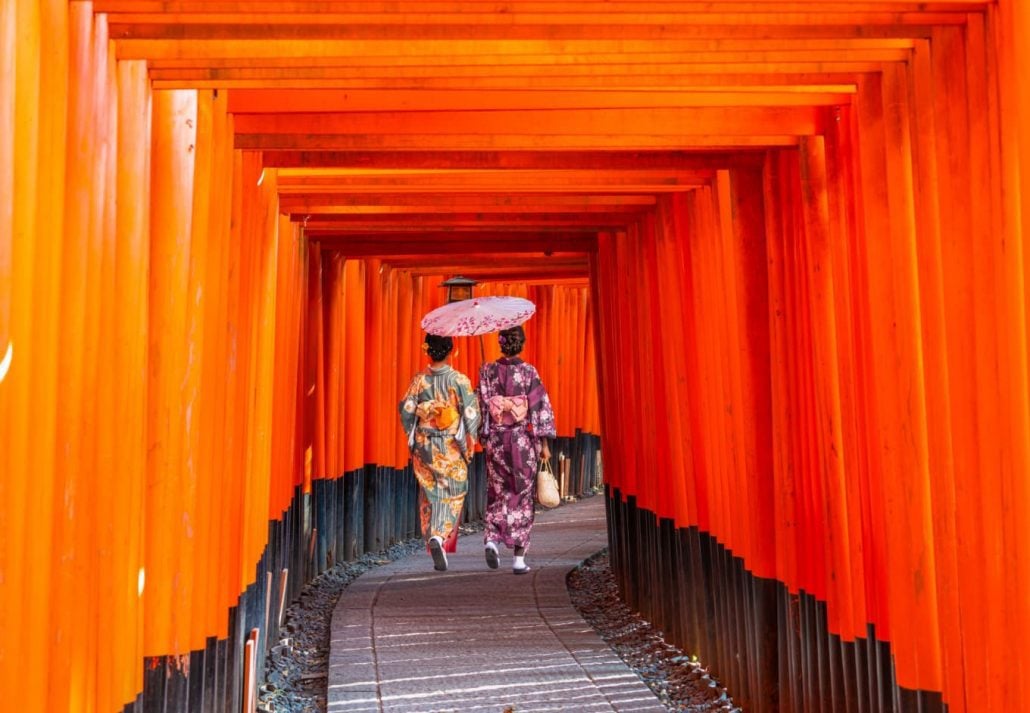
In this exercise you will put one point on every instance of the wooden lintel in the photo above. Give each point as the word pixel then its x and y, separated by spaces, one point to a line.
pixel 358 181
pixel 463 222
pixel 463 202
pixel 382 66
pixel 783 8
pixel 665 82
pixel 555 129
pixel 672 160
pixel 492 26
pixel 432 243
pixel 556 142
pixel 379 100
pixel 415 50
pixel 299 214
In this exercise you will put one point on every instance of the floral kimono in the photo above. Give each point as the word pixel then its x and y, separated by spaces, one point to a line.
pixel 516 415
pixel 440 414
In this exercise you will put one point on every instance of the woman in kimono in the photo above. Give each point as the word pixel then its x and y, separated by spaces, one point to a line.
pixel 517 423
pixel 440 414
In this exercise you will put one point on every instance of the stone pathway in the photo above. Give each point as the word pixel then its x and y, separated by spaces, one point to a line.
pixel 408 638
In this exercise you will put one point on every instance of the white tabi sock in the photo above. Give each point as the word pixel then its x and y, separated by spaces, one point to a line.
pixel 519 563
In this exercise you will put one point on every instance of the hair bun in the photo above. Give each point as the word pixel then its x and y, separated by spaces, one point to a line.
pixel 438 347
pixel 512 340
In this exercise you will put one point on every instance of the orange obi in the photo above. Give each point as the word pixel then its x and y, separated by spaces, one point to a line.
pixel 508 410
pixel 437 414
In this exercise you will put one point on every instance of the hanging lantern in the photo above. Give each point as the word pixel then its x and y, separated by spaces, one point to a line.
pixel 458 288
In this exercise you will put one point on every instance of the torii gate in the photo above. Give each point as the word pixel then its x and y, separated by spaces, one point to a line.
pixel 787 237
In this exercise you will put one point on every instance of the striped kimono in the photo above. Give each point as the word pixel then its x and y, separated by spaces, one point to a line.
pixel 440 414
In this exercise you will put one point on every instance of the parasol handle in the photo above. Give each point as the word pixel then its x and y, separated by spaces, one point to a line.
pixel 482 350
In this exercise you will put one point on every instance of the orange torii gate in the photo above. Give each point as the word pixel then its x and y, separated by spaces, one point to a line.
pixel 788 238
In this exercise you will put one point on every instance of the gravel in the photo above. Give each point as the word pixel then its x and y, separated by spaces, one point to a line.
pixel 297 667
pixel 680 681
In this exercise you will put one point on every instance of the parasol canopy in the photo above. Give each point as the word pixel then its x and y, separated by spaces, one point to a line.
pixel 479 315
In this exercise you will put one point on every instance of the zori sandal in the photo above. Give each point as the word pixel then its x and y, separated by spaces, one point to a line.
pixel 439 556
pixel 493 561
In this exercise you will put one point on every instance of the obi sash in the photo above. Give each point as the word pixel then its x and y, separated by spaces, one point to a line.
pixel 436 414
pixel 508 410
pixel 437 417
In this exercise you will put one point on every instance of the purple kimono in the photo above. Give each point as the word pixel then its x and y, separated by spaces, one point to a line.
pixel 516 414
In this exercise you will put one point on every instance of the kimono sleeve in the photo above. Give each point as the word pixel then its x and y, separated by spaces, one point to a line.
pixel 541 415
pixel 469 405
pixel 409 403
pixel 484 393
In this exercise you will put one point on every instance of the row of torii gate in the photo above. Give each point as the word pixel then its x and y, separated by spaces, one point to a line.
pixel 778 249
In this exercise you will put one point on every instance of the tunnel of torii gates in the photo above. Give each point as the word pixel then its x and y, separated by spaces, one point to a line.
pixel 779 252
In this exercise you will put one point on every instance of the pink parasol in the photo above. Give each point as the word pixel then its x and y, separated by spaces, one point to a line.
pixel 479 315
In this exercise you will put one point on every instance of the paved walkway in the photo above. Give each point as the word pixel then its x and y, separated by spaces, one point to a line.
pixel 408 638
